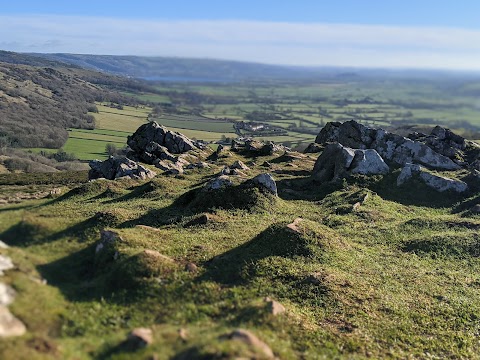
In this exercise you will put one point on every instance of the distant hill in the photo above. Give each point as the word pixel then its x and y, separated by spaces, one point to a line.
pixel 40 99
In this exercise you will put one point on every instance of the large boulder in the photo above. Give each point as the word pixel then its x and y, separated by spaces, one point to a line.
pixel 391 147
pixel 152 141
pixel 338 161
pixel 118 167
pixel 437 182
pixel 266 182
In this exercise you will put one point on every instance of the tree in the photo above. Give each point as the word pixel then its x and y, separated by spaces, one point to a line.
pixel 110 149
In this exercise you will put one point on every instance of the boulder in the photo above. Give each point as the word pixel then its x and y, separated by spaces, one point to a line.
pixel 368 162
pixel 9 324
pixel 5 264
pixel 313 148
pixel 152 138
pixel 251 341
pixel 139 338
pixel 239 165
pixel 118 167
pixel 107 238
pixel 274 307
pixel 267 182
pixel 437 182
pixel 218 183
pixel 391 147
pixel 259 148
pixel 7 294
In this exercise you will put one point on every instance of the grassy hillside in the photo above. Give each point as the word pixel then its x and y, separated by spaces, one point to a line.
pixel 396 277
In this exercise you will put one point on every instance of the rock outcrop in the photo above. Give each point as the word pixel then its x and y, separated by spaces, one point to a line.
pixel 258 148
pixel 266 182
pixel 118 167
pixel 437 182
pixel 391 147
pixel 153 141
pixel 338 161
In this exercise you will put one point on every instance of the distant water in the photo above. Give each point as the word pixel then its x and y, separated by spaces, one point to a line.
pixel 183 79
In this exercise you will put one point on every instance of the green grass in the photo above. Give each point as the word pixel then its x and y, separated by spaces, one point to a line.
pixel 397 278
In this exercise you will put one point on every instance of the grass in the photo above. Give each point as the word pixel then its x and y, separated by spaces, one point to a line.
pixel 397 278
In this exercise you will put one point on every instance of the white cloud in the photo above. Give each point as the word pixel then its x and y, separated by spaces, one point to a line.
pixel 269 42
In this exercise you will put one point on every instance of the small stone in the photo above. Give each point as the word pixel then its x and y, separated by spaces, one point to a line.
pixel 252 341
pixel 294 225
pixel 274 307
pixel 191 267
pixel 356 206
pixel 5 264
pixel 139 338
pixel 7 294
pixel 156 255
pixel 9 324
pixel 199 220
pixel 3 245
pixel 107 237
pixel 183 334
pixel 239 165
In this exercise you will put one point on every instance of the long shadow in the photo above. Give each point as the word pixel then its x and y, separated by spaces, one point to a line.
pixel 73 275
pixel 24 233
pixel 237 266
pixel 304 188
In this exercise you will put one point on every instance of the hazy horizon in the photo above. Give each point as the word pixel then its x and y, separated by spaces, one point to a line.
pixel 398 35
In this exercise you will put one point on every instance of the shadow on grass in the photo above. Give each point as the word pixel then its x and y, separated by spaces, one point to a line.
pixel 237 266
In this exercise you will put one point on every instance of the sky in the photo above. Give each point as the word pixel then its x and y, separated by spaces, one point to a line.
pixel 359 33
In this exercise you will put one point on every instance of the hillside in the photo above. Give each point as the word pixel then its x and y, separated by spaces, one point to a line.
pixel 220 261
pixel 40 99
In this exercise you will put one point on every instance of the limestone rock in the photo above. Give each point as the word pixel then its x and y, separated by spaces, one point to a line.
pixel 294 225
pixel 267 182
pixel 239 165
pixel 434 181
pixel 252 341
pixel 191 267
pixel 139 338
pixel 274 307
pixel 3 245
pixel 368 162
pixel 150 138
pixel 391 147
pixel 107 238
pixel 5 264
pixel 7 294
pixel 218 183
pixel 9 324
pixel 118 167
pixel 333 163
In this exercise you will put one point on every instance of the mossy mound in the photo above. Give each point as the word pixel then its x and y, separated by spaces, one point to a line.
pixel 100 186
pixel 244 197
pixel 137 271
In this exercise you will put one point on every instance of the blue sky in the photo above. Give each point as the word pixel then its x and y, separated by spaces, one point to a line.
pixel 365 33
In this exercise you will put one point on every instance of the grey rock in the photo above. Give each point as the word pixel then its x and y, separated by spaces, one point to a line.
pixel 333 163
pixel 139 338
pixel 368 162
pixel 239 165
pixel 391 147
pixel 149 139
pixel 267 182
pixel 107 238
pixel 118 167
pixel 7 294
pixel 313 148
pixel 9 325
pixel 218 183
pixel 437 182
pixel 252 341
pixel 5 264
